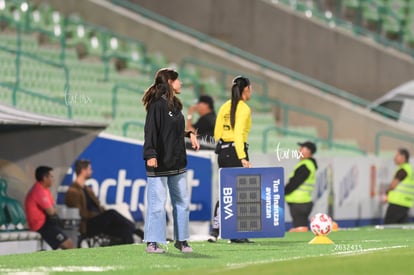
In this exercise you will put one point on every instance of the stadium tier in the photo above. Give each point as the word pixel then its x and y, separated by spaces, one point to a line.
pixel 392 20
pixel 94 74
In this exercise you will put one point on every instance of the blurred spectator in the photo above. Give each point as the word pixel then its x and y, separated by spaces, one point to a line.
pixel 41 212
pixel 400 193
pixel 94 218
pixel 298 191
pixel 204 127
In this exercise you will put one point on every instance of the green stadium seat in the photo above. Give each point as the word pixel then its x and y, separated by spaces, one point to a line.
pixel 13 211
pixel 19 11
pixel 211 86
pixel 96 43
pixel 76 33
pixel 371 11
pixel 350 7
pixel 5 95
pixel 47 21
pixel 191 71
pixel 391 25
pixel 87 79
pixel 399 7
pixel 158 60
pixel 6 12
pixel 409 30
pixel 305 5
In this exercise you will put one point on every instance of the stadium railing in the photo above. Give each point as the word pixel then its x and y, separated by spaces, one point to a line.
pixel 106 55
pixel 319 141
pixel 392 135
pixel 115 90
pixel 224 73
pixel 127 124
pixel 15 86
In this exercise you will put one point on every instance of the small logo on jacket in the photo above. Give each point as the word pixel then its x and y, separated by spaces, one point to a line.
pixel 170 113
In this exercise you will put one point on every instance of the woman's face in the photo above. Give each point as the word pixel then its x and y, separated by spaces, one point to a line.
pixel 247 93
pixel 176 85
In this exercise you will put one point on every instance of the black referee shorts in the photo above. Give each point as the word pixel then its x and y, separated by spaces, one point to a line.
pixel 52 234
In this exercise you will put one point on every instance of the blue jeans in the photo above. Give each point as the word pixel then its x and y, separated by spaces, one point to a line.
pixel 155 220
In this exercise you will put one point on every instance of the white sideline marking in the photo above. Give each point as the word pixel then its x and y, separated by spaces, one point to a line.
pixel 363 251
pixel 368 241
pixel 344 253
pixel 46 269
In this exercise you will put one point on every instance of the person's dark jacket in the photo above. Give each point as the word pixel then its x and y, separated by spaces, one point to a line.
pixel 205 126
pixel 164 140
pixel 75 197
pixel 299 177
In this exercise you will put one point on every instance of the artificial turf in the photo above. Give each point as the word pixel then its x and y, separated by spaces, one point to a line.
pixel 361 251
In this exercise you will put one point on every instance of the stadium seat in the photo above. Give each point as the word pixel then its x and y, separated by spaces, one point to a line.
pixel 392 24
pixel 6 12
pixel 409 29
pixel 211 86
pixel 158 60
pixel 371 14
pixel 13 211
pixel 350 9
pixel 399 7
pixel 44 18
pixel 95 78
pixel 15 12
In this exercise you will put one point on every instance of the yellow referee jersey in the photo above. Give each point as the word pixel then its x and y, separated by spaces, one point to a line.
pixel 239 134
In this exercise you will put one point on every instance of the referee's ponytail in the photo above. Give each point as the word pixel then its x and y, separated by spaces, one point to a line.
pixel 238 85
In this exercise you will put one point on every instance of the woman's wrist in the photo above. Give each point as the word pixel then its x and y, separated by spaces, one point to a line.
pixel 188 133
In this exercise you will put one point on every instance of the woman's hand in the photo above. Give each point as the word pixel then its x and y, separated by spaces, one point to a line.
pixel 152 162
pixel 194 141
pixel 246 163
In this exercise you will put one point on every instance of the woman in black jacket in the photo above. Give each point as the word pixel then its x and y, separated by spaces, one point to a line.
pixel 166 161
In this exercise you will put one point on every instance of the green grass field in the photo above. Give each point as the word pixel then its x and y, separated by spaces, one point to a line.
pixel 360 251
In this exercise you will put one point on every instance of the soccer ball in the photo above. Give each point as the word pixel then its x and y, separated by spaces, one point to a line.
pixel 321 224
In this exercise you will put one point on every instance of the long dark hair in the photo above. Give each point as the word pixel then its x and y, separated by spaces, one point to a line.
pixel 161 87
pixel 239 83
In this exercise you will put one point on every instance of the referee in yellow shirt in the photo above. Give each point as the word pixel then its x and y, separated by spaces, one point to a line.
pixel 231 130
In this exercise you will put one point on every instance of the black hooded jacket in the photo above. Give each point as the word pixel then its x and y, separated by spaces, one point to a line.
pixel 164 139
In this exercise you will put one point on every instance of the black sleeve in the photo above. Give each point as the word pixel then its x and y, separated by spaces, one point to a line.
pixel 151 129
pixel 205 125
pixel 301 174
pixel 202 126
pixel 400 175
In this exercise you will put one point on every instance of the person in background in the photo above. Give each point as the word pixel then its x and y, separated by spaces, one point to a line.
pixel 94 218
pixel 231 132
pixel 41 212
pixel 165 158
pixel 298 191
pixel 204 127
pixel 400 193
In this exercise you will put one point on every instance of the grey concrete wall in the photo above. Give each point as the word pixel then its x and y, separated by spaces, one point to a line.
pixel 277 34
pixel 350 122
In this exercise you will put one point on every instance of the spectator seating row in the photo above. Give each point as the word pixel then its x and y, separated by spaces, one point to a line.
pixel 105 82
